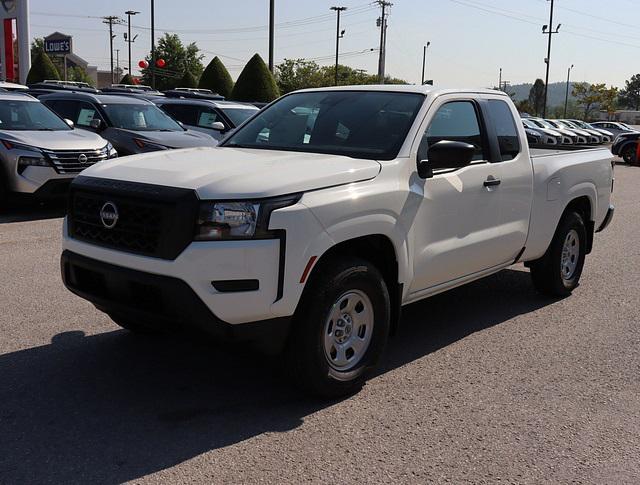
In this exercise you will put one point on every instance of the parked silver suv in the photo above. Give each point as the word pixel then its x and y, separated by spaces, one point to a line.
pixel 40 153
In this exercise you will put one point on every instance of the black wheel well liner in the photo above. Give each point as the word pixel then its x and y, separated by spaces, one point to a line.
pixel 582 206
pixel 379 251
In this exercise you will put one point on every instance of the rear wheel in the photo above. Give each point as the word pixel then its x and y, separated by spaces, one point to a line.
pixel 340 330
pixel 558 272
pixel 630 154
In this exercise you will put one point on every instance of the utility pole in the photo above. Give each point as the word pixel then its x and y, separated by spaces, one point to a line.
pixel 110 20
pixel 117 63
pixel 500 80
pixel 128 38
pixel 271 33
pixel 566 98
pixel 339 35
pixel 382 23
pixel 153 45
pixel 424 60
pixel 548 30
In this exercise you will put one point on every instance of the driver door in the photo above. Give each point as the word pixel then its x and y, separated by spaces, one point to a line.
pixel 459 209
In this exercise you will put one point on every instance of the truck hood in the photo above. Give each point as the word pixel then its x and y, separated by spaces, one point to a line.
pixel 56 140
pixel 174 139
pixel 237 173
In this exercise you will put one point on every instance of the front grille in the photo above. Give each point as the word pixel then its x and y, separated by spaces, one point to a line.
pixel 73 161
pixel 152 220
pixel 137 230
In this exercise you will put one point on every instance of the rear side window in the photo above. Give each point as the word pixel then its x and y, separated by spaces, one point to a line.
pixel 455 121
pixel 505 129
pixel 182 112
pixel 207 117
pixel 65 109
pixel 86 115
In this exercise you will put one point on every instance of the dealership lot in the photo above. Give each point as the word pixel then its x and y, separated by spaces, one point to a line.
pixel 487 383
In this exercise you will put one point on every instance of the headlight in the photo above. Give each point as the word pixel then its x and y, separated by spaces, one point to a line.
pixel 111 152
pixel 239 219
pixel 227 220
pixel 147 145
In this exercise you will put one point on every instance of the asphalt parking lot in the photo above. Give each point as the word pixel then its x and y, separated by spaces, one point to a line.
pixel 489 383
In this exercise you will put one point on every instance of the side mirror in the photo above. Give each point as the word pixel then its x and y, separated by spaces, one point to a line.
pixel 446 154
pixel 69 122
pixel 95 124
pixel 218 126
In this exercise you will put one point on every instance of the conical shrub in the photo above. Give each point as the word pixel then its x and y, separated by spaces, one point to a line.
pixel 42 68
pixel 216 78
pixel 126 79
pixel 255 83
pixel 188 80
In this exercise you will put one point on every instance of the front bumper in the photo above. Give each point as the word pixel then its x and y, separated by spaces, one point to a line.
pixel 608 218
pixel 159 301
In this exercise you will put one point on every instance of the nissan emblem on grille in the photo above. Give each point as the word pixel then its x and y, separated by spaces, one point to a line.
pixel 109 215
pixel 82 158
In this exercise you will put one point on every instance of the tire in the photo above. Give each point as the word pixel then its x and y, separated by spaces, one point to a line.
pixel 629 154
pixel 558 272
pixel 133 326
pixel 340 330
pixel 4 192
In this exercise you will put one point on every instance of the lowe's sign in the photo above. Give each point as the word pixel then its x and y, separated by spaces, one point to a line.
pixel 60 45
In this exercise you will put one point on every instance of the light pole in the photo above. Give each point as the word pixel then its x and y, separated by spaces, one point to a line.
pixel 271 33
pixel 548 30
pixel 339 35
pixel 424 59
pixel 130 40
pixel 153 45
pixel 566 98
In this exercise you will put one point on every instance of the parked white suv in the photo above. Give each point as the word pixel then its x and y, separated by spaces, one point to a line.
pixel 313 223
pixel 40 153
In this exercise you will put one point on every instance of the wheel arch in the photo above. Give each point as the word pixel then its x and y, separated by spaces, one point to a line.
pixel 584 206
pixel 379 250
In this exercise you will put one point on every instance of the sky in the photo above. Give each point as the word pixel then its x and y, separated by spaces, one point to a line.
pixel 470 39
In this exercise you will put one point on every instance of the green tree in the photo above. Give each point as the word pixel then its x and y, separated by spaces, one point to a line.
pixel 295 74
pixel 524 106
pixel 609 101
pixel 589 96
pixel 255 83
pixel 127 79
pixel 629 96
pixel 536 97
pixel 216 78
pixel 79 74
pixel 188 80
pixel 37 46
pixel 41 68
pixel 178 59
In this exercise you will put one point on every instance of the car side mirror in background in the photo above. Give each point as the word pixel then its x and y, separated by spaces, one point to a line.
pixel 95 124
pixel 446 154
pixel 69 122
pixel 218 126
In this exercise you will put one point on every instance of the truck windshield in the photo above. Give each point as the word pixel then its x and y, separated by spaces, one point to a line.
pixel 140 117
pixel 29 116
pixel 358 124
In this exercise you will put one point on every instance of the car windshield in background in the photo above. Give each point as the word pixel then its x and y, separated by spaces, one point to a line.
pixel 140 117
pixel 239 115
pixel 359 124
pixel 29 116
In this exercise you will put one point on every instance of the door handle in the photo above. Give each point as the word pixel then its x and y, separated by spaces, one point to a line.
pixel 492 181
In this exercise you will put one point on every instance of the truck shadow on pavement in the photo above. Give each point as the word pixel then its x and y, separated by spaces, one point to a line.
pixel 115 407
pixel 20 210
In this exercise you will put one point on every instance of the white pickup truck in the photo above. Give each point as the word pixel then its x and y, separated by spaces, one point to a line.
pixel 310 227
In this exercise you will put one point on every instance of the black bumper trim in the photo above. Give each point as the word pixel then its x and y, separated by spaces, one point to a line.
pixel 53 188
pixel 160 301
pixel 608 218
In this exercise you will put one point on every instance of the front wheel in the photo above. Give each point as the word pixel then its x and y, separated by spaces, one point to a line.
pixel 340 330
pixel 558 272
